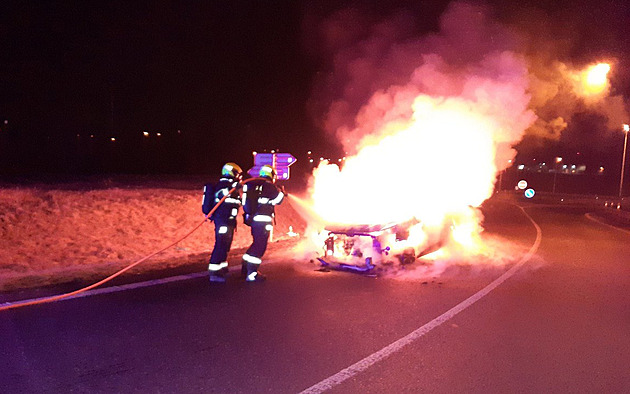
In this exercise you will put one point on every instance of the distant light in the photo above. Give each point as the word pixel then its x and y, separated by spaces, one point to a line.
pixel 113 139
pixel 339 160
pixel 179 131
pixel 321 158
pixel 273 151
pixel 521 167
pixel 254 153
pixel 558 159
pixel 145 133
pixel 91 135
pixel 343 158
pixel 159 134
pixel 509 161
pixel 601 169
pixel 573 167
pixel 78 135
pixel 7 122
pixel 564 167
pixel 626 127
pixel 310 161
pixel 309 152
pixel 597 77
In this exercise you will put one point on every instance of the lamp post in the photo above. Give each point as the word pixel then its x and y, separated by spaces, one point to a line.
pixel 626 128
pixel 555 174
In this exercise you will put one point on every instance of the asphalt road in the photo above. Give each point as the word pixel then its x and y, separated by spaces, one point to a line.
pixel 560 323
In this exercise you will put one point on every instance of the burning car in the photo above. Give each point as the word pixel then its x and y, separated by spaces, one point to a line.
pixel 371 248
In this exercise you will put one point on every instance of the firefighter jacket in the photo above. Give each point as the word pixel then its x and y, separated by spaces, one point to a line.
pixel 227 212
pixel 260 197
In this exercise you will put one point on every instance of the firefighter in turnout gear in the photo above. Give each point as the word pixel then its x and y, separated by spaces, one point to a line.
pixel 224 217
pixel 260 197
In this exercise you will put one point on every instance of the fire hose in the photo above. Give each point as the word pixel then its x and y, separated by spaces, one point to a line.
pixel 127 268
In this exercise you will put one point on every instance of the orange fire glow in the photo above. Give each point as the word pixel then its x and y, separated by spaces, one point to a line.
pixel 434 168
pixel 592 82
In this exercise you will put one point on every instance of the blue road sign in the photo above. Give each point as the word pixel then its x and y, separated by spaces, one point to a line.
pixel 529 193
pixel 280 161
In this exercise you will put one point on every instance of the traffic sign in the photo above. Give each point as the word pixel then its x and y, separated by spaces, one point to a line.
pixel 529 193
pixel 522 184
pixel 280 161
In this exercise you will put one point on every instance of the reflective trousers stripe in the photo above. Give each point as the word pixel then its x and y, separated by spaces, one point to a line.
pixel 262 218
pixel 251 259
pixel 218 266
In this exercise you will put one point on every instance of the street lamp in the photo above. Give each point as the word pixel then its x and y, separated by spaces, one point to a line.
pixel 555 173
pixel 626 128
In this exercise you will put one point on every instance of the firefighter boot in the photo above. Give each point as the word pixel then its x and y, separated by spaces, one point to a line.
pixel 218 276
pixel 252 273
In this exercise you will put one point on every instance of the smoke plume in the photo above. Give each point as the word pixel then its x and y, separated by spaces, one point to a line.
pixel 369 55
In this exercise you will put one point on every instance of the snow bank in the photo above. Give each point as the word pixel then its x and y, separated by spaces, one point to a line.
pixel 49 235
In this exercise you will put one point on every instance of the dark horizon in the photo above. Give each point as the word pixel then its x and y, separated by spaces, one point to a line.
pixel 218 81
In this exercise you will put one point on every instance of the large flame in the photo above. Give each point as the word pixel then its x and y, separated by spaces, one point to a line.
pixel 439 161
pixel 434 166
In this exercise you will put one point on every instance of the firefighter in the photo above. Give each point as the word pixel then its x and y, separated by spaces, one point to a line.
pixel 260 197
pixel 224 218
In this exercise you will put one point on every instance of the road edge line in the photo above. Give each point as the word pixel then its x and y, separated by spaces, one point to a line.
pixel 397 345
pixel 590 217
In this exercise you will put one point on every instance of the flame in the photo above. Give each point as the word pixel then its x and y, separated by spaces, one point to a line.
pixel 426 157
pixel 439 161
pixel 434 167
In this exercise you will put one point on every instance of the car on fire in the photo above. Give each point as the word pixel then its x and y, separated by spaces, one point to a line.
pixel 369 249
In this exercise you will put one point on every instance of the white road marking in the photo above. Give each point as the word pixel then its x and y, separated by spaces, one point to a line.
pixel 388 350
pixel 591 217
pixel 115 289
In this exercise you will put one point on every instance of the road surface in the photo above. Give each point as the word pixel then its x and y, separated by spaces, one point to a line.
pixel 559 323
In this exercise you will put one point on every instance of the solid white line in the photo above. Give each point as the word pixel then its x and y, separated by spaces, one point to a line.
pixel 589 216
pixel 115 289
pixel 388 350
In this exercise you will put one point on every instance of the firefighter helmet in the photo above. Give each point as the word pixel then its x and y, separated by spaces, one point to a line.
pixel 267 172
pixel 231 170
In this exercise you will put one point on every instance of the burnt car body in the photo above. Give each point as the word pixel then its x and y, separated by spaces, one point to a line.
pixel 367 249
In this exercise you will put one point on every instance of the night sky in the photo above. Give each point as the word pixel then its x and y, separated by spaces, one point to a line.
pixel 219 79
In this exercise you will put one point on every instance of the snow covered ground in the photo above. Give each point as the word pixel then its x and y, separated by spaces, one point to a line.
pixel 59 233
